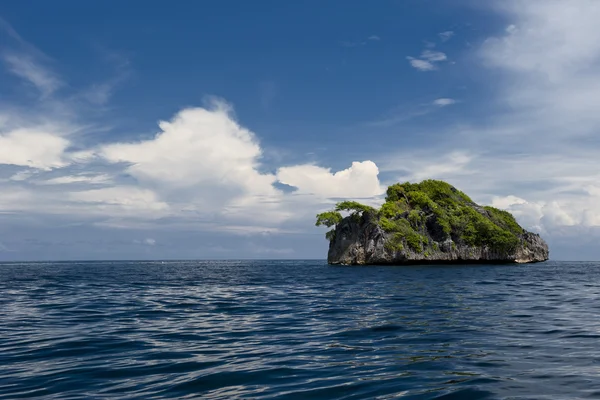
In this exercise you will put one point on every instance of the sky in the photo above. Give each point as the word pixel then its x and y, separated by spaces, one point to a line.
pixel 218 130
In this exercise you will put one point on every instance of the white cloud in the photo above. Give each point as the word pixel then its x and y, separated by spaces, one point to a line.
pixel 445 36
pixel 201 170
pixel 538 216
pixel 32 148
pixel 421 165
pixel 555 215
pixel 374 37
pixel 360 180
pixel 204 164
pixel 16 199
pixel 22 175
pixel 81 178
pixel 428 60
pixel 551 58
pixel 26 68
pixel 202 160
pixel 443 102
pixel 120 198
pixel 536 153
pixel 196 146
pixel 433 56
pixel 201 166
pixel 507 201
pixel 421 65
pixel 146 242
pixel 544 192
pixel 565 27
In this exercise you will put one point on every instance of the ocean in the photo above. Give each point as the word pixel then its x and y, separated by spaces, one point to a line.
pixel 298 330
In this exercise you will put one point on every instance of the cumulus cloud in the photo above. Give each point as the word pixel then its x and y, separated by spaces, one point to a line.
pixel 544 192
pixel 197 146
pixel 201 167
pixel 205 162
pixel 535 154
pixel 505 202
pixel 201 159
pixel 360 180
pixel 539 216
pixel 32 148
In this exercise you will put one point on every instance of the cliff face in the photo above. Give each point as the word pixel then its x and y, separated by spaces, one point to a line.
pixel 363 241
pixel 430 222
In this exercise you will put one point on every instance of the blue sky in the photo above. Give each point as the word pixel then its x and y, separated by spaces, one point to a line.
pixel 133 130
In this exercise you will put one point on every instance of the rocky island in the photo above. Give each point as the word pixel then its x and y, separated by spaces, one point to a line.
pixel 429 222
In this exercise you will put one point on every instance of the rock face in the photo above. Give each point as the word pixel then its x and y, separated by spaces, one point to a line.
pixel 442 227
pixel 363 241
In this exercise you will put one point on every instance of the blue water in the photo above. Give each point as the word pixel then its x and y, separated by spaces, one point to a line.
pixel 298 330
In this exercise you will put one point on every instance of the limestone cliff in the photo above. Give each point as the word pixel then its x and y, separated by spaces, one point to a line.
pixel 429 222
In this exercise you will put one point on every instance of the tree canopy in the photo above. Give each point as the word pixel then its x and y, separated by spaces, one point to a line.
pixel 419 215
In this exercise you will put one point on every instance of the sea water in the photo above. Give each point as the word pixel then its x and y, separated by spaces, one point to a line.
pixel 299 330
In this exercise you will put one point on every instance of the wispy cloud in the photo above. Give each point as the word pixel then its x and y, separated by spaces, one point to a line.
pixel 362 42
pixel 536 151
pixel 443 102
pixel 26 62
pixel 433 56
pixel 147 242
pixel 80 178
pixel 409 112
pixel 99 93
pixel 427 61
pixel 445 36
pixel 421 65
pixel 25 67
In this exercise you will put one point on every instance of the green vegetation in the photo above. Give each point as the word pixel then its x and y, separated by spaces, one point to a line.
pixel 332 218
pixel 403 231
pixel 353 206
pixel 415 212
pixel 329 219
pixel 504 219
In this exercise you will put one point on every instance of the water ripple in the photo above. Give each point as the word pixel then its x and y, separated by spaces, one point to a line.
pixel 298 330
